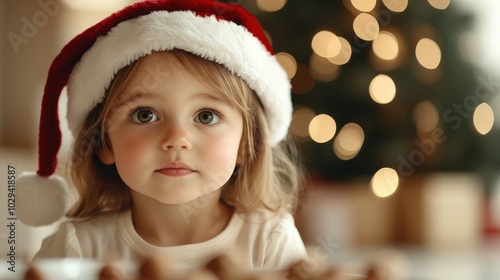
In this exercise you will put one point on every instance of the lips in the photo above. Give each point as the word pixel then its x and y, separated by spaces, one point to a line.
pixel 176 169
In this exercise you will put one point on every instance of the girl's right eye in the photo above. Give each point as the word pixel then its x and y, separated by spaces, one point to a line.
pixel 144 116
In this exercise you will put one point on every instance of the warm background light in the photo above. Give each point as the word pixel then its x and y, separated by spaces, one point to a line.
pixel 439 4
pixel 364 5
pixel 428 53
pixel 483 118
pixel 344 54
pixel 322 68
pixel 384 182
pixel 271 5
pixel 288 62
pixel 349 141
pixel 382 89
pixel 300 121
pixel 397 6
pixel 385 46
pixel 366 27
pixel 322 128
pixel 326 44
pixel 425 116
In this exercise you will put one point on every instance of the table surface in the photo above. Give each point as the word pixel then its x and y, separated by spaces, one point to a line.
pixel 479 263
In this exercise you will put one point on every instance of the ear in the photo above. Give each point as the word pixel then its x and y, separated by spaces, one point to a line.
pixel 106 156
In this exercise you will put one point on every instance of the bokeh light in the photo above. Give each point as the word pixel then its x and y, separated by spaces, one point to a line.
pixel 382 89
pixel 301 118
pixel 366 27
pixel 326 44
pixel 385 46
pixel 425 116
pixel 349 141
pixel 288 62
pixel 364 5
pixel 439 4
pixel 271 5
pixel 344 54
pixel 397 6
pixel 322 128
pixel 428 53
pixel 322 68
pixel 384 182
pixel 483 118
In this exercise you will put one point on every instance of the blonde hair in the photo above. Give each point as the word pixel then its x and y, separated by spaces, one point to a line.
pixel 268 177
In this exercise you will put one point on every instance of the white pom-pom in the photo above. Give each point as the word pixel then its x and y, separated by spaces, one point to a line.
pixel 40 200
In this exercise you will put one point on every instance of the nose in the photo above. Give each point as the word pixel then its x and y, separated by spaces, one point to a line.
pixel 175 137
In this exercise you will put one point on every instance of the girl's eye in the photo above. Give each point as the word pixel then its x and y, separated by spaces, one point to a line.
pixel 144 116
pixel 207 117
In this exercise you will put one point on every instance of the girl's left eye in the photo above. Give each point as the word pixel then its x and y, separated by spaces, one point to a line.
pixel 208 117
pixel 144 116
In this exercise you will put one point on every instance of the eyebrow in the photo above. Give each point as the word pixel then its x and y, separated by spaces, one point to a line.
pixel 210 97
pixel 132 98
pixel 141 95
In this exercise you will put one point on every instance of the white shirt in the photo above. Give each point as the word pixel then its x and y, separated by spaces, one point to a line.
pixel 264 240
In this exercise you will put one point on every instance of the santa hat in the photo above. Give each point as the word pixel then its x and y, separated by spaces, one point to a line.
pixel 221 32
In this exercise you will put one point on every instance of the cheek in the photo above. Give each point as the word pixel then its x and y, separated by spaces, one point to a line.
pixel 223 156
pixel 128 149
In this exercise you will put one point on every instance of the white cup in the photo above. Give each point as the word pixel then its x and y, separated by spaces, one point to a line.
pixel 10 272
pixel 69 269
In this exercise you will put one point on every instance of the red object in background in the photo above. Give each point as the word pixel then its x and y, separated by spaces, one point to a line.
pixel 491 227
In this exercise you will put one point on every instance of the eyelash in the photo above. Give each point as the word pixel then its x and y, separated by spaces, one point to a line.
pixel 215 111
pixel 138 108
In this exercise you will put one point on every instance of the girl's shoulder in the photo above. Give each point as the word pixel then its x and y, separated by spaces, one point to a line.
pixel 101 228
pixel 268 219
pixel 79 226
pixel 101 221
pixel 78 238
pixel 89 230
pixel 272 237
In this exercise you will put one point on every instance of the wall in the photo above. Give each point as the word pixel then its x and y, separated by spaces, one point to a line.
pixel 29 45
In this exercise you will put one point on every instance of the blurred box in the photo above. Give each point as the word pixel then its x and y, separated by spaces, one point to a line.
pixel 375 218
pixel 441 210
pixel 435 210
pixel 343 215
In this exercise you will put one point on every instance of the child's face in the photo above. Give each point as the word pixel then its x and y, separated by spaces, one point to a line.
pixel 172 138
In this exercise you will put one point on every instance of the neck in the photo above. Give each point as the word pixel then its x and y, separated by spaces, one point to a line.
pixel 172 225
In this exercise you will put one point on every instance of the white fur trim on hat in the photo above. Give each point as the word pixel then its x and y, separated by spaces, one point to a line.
pixel 44 199
pixel 217 40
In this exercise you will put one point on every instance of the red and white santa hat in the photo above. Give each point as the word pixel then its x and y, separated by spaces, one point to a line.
pixel 221 32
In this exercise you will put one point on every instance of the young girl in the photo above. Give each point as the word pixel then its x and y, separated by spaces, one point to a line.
pixel 180 115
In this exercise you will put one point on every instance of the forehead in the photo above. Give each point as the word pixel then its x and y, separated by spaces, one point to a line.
pixel 159 70
pixel 160 66
pixel 155 67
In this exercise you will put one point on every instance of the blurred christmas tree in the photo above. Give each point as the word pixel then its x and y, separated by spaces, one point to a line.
pixel 381 84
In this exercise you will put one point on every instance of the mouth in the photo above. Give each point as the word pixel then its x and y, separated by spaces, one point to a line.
pixel 175 169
